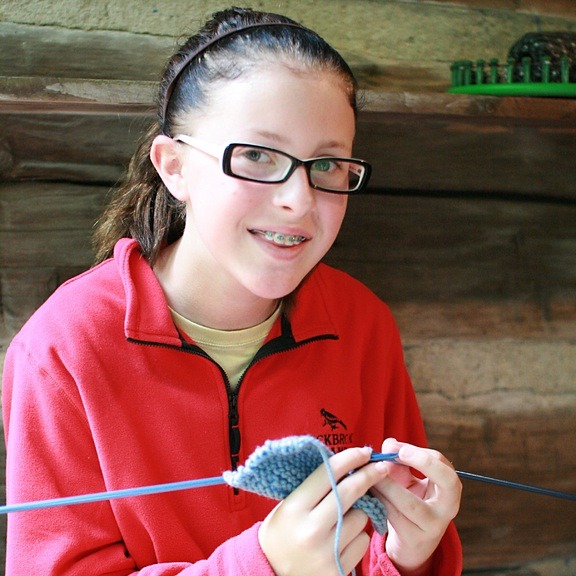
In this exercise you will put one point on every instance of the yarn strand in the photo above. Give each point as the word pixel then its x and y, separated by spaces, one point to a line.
pixel 340 520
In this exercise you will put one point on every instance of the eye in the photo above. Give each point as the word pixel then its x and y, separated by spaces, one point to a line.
pixel 256 155
pixel 325 165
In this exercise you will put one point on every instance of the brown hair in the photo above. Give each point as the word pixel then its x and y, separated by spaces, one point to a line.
pixel 231 43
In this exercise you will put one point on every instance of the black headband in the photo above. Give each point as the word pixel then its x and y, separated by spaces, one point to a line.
pixel 203 47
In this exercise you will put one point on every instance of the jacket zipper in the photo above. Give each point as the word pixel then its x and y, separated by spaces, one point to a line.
pixel 273 347
pixel 280 344
pixel 234 438
pixel 234 429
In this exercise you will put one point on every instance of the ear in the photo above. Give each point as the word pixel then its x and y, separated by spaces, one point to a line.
pixel 168 159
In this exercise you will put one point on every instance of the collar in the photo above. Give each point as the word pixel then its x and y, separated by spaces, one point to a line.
pixel 148 317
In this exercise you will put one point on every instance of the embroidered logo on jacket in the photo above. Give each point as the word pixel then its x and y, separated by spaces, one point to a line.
pixel 336 441
pixel 330 420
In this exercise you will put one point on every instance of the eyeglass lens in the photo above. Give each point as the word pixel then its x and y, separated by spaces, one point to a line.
pixel 265 165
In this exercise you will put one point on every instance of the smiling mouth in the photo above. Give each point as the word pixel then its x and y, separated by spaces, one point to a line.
pixel 280 239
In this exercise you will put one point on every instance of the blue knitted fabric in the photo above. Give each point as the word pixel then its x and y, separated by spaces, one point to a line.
pixel 280 466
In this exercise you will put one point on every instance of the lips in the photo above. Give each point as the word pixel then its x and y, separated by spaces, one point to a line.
pixel 279 238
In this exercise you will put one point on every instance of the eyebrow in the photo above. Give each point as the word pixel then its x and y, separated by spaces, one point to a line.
pixel 272 136
pixel 283 140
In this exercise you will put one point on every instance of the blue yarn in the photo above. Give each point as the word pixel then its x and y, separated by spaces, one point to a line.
pixel 280 466
pixel 340 520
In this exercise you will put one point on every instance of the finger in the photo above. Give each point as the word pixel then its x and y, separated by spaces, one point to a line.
pixel 400 521
pixel 391 445
pixel 318 484
pixel 402 505
pixel 350 489
pixel 402 474
pixel 422 500
pixel 443 482
pixel 423 459
pixel 354 523
pixel 429 463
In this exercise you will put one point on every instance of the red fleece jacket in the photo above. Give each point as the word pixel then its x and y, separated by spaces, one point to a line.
pixel 101 392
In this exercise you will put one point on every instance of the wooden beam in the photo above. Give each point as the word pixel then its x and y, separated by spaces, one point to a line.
pixel 453 250
pixel 422 142
pixel 29 50
pixel 78 143
pixel 549 7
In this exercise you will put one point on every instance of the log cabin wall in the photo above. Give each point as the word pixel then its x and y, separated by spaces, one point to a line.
pixel 469 232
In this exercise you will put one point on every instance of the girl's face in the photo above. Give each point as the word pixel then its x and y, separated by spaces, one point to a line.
pixel 234 228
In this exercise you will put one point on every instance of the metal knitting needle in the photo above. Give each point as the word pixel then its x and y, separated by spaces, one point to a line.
pixel 378 457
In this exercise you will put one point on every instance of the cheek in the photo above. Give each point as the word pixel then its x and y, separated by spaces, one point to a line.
pixel 333 212
pixel 221 208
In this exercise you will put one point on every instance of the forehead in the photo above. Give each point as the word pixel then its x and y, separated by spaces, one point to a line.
pixel 293 103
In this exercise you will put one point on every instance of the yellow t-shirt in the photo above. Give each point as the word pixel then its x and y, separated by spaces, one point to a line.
pixel 232 349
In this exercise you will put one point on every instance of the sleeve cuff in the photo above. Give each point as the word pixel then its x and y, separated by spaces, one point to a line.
pixel 447 557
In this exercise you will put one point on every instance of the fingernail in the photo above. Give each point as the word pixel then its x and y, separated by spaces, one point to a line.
pixel 407 451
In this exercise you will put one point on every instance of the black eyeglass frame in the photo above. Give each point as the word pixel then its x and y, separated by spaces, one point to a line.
pixel 296 163
pixel 226 155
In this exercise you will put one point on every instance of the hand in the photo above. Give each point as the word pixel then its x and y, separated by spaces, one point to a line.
pixel 419 510
pixel 297 537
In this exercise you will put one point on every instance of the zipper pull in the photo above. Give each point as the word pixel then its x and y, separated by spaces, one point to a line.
pixel 234 430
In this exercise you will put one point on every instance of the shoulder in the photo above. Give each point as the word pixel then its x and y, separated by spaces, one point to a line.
pixel 348 302
pixel 75 305
pixel 340 289
pixel 78 307
pixel 96 292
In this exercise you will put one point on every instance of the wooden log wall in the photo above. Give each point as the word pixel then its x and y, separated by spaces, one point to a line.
pixel 469 233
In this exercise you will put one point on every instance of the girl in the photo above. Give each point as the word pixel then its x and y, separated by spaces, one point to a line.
pixel 209 326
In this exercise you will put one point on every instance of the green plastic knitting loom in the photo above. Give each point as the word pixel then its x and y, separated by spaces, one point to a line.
pixel 538 64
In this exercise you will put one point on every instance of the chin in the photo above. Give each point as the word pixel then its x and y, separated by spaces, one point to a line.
pixel 279 288
pixel 275 291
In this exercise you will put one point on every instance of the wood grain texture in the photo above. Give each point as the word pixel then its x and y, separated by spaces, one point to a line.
pixel 415 142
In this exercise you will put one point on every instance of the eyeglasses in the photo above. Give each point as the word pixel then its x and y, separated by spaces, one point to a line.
pixel 270 166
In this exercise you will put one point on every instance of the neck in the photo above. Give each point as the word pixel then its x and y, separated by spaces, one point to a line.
pixel 204 299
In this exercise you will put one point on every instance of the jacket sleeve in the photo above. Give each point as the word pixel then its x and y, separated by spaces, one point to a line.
pixel 240 556
pixel 447 558
pixel 47 437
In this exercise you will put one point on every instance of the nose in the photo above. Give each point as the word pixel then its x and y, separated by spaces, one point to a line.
pixel 296 194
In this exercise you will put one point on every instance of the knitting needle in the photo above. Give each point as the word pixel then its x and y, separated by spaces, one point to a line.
pixel 112 495
pixel 174 486
pixel 129 492
pixel 393 457
pixel 389 457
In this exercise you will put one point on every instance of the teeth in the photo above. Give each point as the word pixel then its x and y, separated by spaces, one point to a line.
pixel 283 239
